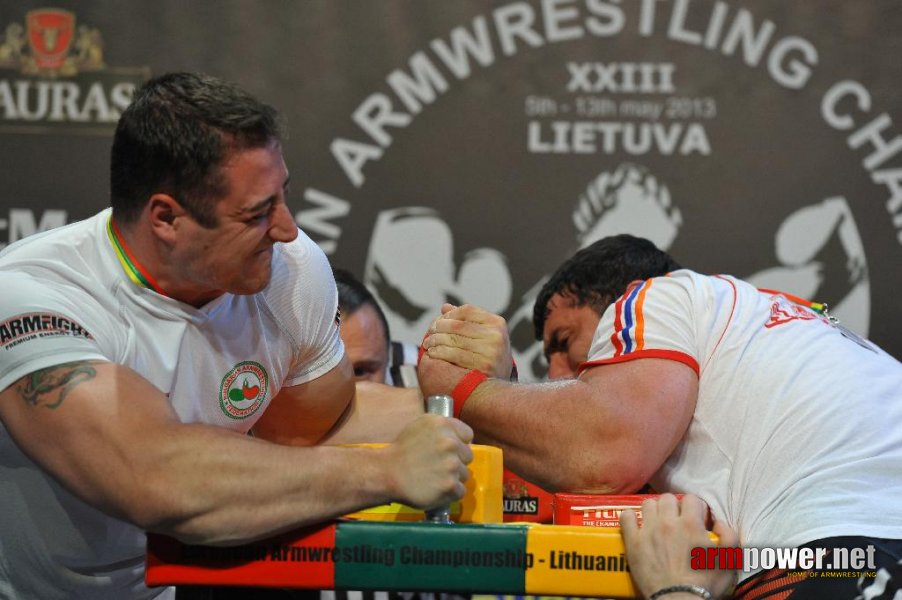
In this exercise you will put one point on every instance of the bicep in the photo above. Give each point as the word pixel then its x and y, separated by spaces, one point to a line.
pixel 334 409
pixel 302 415
pixel 87 424
pixel 650 403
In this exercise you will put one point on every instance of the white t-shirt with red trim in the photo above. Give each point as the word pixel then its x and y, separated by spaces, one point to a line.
pixel 797 432
pixel 67 298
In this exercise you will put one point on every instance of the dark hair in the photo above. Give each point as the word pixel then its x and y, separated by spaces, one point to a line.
pixel 598 274
pixel 352 295
pixel 175 135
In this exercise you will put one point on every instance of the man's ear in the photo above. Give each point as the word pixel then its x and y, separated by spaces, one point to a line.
pixel 164 212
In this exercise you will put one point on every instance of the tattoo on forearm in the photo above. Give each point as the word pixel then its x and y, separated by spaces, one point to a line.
pixel 40 388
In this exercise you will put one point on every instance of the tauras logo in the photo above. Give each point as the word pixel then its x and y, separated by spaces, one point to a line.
pixel 50 102
pixel 62 81
pixel 31 325
pixel 526 505
pixel 517 500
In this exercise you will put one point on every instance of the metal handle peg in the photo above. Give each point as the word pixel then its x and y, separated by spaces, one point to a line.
pixel 440 405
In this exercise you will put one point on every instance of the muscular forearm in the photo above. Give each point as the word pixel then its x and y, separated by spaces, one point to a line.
pixel 378 413
pixel 608 431
pixel 133 459
pixel 559 435
pixel 215 487
pixel 207 485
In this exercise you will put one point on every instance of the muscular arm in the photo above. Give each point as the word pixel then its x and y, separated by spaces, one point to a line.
pixel 112 439
pixel 378 414
pixel 333 410
pixel 606 432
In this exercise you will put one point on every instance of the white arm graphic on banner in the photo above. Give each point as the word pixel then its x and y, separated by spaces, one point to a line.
pixel 806 245
pixel 411 270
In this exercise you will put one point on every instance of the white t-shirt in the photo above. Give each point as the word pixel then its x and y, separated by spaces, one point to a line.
pixel 797 433
pixel 66 297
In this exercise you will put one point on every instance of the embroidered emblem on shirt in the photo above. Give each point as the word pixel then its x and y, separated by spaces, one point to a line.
pixel 783 311
pixel 243 390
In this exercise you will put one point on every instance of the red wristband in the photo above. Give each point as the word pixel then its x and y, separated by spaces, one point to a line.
pixel 422 349
pixel 464 388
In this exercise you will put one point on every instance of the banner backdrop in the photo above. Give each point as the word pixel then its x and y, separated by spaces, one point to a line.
pixel 449 150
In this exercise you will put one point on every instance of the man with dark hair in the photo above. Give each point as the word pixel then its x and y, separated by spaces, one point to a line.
pixel 364 329
pixel 163 143
pixel 785 423
pixel 593 278
pixel 367 339
pixel 139 347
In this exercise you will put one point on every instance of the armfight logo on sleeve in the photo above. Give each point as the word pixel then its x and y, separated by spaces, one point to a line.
pixel 30 326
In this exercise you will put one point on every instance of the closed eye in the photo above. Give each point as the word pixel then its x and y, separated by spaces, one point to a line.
pixel 367 368
pixel 556 344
